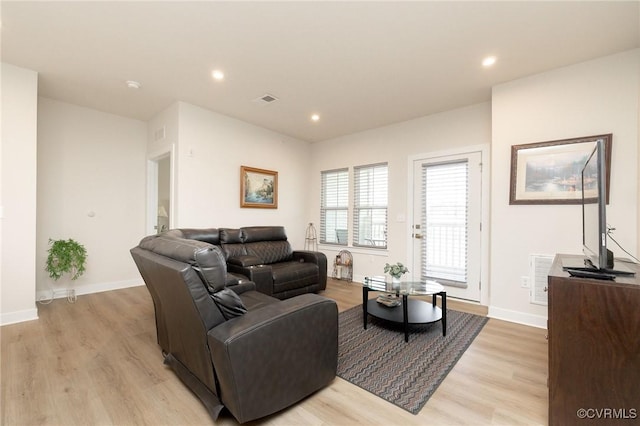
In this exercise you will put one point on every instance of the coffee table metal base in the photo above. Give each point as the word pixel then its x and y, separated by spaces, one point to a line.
pixel 411 311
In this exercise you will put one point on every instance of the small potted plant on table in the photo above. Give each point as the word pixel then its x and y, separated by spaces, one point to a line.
pixel 396 271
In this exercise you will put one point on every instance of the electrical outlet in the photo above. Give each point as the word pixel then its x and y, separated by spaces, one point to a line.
pixel 524 282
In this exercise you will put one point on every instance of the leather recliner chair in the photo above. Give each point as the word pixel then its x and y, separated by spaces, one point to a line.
pixel 233 346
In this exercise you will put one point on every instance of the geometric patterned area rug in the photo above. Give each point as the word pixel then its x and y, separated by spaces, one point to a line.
pixel 406 374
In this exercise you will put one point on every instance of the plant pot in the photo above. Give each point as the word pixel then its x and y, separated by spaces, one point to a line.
pixel 395 280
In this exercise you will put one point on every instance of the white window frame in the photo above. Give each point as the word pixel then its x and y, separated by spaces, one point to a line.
pixel 371 196
pixel 336 234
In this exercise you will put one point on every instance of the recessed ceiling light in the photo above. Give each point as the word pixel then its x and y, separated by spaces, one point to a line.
pixel 217 75
pixel 488 61
pixel 315 117
pixel 131 84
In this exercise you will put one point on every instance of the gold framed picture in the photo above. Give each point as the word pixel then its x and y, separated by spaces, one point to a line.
pixel 258 188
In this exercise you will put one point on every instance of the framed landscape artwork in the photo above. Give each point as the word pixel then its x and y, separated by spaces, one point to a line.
pixel 258 188
pixel 550 172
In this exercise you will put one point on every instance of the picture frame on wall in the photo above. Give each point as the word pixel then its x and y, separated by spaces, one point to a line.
pixel 258 188
pixel 550 172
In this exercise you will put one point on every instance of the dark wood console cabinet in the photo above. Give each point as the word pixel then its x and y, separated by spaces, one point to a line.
pixel 594 349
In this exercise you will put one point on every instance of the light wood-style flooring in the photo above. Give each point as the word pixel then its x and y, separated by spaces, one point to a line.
pixel 96 362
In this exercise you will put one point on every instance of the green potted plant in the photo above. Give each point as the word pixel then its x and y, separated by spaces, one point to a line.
pixel 66 257
pixel 396 271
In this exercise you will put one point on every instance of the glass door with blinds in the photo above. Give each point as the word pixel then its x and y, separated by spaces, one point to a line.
pixel 447 222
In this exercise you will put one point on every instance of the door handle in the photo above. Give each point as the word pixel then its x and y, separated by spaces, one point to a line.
pixel 417 236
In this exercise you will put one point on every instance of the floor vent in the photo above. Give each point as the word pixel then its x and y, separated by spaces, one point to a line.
pixel 265 99
pixel 539 266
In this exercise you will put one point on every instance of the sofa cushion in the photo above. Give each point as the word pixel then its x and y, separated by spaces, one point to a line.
pixel 245 260
pixel 254 300
pixel 292 275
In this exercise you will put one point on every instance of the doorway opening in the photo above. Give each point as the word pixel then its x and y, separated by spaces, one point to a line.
pixel 159 194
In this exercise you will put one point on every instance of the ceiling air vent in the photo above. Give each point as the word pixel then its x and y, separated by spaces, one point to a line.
pixel 265 99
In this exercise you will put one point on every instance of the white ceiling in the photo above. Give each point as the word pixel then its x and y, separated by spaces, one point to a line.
pixel 360 65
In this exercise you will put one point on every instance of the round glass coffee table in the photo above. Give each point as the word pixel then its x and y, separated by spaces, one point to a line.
pixel 406 310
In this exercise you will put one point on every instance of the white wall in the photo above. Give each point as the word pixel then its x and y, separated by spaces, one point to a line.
pixel 18 194
pixel 90 161
pixel 210 150
pixel 91 187
pixel 395 144
pixel 590 98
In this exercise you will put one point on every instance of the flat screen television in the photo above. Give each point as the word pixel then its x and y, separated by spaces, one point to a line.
pixel 594 209
pixel 594 215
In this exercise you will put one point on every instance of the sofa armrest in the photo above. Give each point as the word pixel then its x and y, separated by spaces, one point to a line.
pixel 261 275
pixel 309 256
pixel 276 355
pixel 245 260
pixel 319 259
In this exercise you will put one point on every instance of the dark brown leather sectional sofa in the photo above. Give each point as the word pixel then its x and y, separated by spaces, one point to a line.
pixel 264 256
pixel 233 346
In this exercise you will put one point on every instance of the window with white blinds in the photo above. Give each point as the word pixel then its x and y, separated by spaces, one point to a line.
pixel 445 201
pixel 334 206
pixel 370 206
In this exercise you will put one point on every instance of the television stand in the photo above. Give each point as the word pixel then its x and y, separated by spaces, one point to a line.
pixel 593 345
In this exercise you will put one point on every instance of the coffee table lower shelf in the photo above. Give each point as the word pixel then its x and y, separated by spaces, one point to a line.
pixel 416 312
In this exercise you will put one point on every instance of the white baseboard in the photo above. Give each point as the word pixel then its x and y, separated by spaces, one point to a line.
pixel 18 316
pixel 61 293
pixel 517 317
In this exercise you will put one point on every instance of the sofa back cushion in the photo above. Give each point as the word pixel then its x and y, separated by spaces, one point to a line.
pixel 270 251
pixel 231 242
pixel 252 234
pixel 269 243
